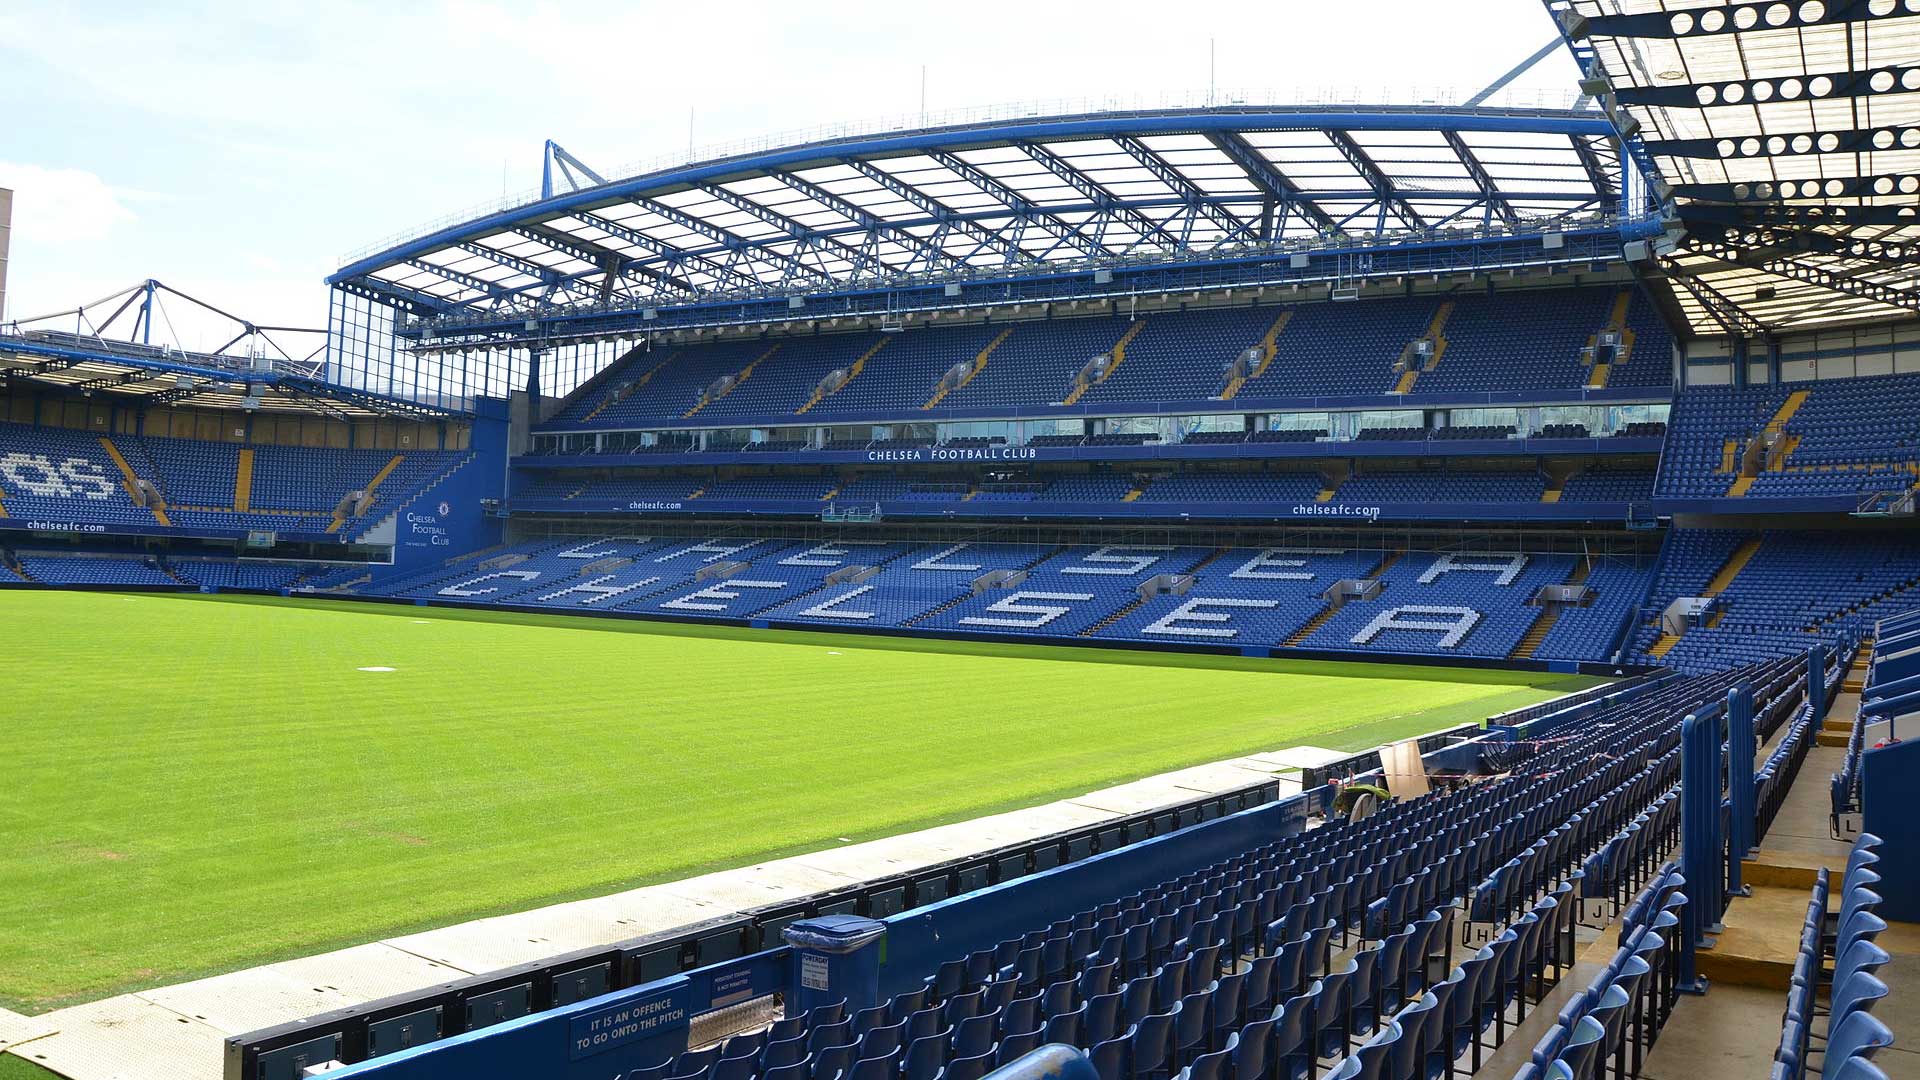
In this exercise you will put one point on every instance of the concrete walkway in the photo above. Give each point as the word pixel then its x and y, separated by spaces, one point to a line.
pixel 1732 1032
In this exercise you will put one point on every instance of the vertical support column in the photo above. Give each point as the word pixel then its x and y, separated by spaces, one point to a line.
pixel 1817 683
pixel 533 386
pixel 1741 792
pixel 836 958
pixel 1700 852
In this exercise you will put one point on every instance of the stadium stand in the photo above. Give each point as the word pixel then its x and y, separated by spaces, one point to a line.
pixel 1635 476
pixel 58 474
pixel 94 570
pixel 1321 598
pixel 1773 594
pixel 1840 437
pixel 65 475
pixel 1528 340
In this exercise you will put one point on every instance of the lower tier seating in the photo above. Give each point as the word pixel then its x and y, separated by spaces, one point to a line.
pixel 1429 603
pixel 1333 953
pixel 1775 593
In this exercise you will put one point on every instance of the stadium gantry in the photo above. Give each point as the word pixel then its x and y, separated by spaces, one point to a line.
pixel 1625 393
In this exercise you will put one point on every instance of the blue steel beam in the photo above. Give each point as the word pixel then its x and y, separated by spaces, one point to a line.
pixel 1282 193
pixel 1384 191
pixel 675 258
pixel 1023 210
pixel 927 205
pixel 792 231
pixel 1496 203
pixel 1232 227
pixel 882 230
pixel 1107 202
pixel 805 239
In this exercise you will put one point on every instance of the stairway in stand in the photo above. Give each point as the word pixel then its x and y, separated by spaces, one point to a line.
pixel 1321 618
pixel 1549 614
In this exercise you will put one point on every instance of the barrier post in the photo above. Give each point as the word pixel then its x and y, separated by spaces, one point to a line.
pixel 1742 785
pixel 836 958
pixel 1699 818
pixel 1817 683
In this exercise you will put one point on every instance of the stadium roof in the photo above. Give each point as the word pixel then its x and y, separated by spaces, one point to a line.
pixel 1786 137
pixel 1026 195
pixel 111 353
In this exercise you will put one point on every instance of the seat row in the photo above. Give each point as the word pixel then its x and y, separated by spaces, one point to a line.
pixel 1232 970
pixel 1846 1036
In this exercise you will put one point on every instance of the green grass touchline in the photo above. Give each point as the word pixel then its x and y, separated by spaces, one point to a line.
pixel 196 787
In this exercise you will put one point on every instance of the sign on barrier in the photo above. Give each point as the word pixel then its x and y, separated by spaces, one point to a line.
pixel 630 1021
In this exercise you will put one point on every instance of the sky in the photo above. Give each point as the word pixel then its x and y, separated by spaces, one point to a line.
pixel 238 151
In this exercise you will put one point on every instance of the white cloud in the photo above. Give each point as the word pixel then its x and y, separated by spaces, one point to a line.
pixel 55 205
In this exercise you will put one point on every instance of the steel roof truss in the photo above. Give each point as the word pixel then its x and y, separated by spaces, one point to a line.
pixel 1284 195
pixel 1022 208
pixel 877 229
pixel 1385 193
pixel 985 236
pixel 1109 204
pixel 1232 227
pixel 1789 267
pixel 1495 203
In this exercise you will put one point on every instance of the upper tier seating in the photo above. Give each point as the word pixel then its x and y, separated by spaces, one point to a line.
pixel 902 376
pixel 57 474
pixel 1181 356
pixel 1512 341
pixel 292 489
pixel 1342 349
pixel 1037 363
pixel 1838 437
pixel 667 383
pixel 784 382
pixel 1495 344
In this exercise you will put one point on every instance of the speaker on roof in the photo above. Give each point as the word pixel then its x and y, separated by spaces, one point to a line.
pixel 1300 260
pixel 1103 277
pixel 1636 251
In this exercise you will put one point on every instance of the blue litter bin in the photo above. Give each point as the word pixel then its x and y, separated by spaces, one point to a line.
pixel 836 958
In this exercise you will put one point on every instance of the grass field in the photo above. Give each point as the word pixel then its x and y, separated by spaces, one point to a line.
pixel 200 785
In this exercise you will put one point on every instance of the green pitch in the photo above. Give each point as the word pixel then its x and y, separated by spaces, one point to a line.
pixel 201 785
